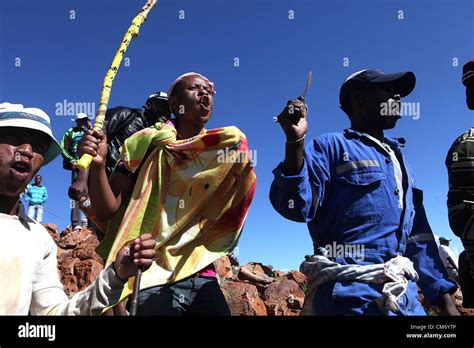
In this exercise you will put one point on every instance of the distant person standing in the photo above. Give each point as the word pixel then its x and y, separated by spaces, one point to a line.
pixel 69 143
pixel 36 195
pixel 448 258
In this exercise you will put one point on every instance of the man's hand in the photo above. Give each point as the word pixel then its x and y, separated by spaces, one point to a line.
pixel 447 306
pixel 138 253
pixel 94 143
pixel 293 119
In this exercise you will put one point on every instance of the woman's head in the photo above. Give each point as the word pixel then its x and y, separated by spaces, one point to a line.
pixel 191 99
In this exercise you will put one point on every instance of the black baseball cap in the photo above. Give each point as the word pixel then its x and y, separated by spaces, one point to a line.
pixel 403 82
pixel 158 96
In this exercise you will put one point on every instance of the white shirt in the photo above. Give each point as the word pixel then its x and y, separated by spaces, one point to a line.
pixel 29 279
pixel 444 253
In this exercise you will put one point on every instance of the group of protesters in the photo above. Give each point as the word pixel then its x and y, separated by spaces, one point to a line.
pixel 159 199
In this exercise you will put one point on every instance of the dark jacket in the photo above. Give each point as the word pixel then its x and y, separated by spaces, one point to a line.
pixel 120 123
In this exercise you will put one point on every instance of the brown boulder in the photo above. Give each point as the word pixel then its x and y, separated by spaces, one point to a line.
pixel 254 275
pixel 256 268
pixel 53 231
pixel 78 264
pixel 243 299
pixel 86 272
pixel 457 299
pixel 224 268
pixel 279 274
pixel 86 249
pixel 284 297
pixel 66 274
pixel 298 277
pixel 70 239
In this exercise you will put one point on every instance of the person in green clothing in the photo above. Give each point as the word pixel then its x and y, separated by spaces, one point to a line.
pixel 69 143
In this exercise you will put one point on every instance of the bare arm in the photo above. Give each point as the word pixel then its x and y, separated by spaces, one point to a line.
pixel 106 198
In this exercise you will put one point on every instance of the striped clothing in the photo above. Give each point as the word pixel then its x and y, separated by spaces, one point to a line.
pixel 36 194
pixel 460 165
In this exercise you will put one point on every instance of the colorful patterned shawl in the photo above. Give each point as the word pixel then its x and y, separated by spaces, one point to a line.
pixel 192 195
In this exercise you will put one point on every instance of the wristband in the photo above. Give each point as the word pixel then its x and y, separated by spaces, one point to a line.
pixel 297 140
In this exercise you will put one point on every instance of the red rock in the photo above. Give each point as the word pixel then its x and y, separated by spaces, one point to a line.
pixel 257 277
pixel 78 264
pixel 62 253
pixel 66 274
pixel 86 248
pixel 53 231
pixel 224 268
pixel 279 274
pixel 284 297
pixel 243 299
pixel 298 277
pixel 457 299
pixel 70 239
pixel 255 267
pixel 86 272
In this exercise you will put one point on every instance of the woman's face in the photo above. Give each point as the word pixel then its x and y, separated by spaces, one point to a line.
pixel 193 102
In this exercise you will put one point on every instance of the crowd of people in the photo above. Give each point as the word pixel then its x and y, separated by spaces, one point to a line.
pixel 159 199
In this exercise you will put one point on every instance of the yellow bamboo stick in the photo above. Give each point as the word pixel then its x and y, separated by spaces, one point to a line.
pixel 85 161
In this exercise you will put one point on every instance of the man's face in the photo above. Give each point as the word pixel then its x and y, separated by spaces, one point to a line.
pixel 22 154
pixel 194 101
pixel 470 93
pixel 155 109
pixel 82 123
pixel 37 180
pixel 379 106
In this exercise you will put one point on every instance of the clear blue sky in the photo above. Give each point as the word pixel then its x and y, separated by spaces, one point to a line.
pixel 66 59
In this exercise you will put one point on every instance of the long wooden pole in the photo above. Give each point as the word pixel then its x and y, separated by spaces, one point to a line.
pixel 85 161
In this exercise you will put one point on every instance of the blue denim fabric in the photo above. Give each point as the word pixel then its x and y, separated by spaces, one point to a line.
pixel 35 212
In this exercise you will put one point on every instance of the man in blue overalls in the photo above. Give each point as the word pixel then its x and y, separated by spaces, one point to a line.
pixel 355 189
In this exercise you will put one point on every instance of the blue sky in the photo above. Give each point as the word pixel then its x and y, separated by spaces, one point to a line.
pixel 48 57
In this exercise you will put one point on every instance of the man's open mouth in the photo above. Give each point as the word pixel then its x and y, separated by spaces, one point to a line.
pixel 21 167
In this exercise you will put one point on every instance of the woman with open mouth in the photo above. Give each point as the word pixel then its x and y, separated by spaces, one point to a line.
pixel 173 183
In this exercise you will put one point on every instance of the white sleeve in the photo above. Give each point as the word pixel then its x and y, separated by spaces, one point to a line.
pixel 49 298
pixel 443 254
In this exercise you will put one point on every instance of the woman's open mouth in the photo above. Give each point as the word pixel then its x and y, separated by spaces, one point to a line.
pixel 205 103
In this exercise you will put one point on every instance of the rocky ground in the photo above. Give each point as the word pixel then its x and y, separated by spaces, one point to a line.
pixel 251 289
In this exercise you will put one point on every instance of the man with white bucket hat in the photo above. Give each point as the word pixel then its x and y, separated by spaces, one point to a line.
pixel 28 270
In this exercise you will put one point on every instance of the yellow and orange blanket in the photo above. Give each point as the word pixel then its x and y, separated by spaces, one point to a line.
pixel 192 195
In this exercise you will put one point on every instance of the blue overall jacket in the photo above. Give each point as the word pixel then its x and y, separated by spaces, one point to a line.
pixel 347 193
